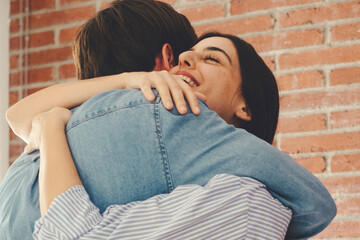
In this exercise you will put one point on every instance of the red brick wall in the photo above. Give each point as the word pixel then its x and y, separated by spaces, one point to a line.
pixel 313 47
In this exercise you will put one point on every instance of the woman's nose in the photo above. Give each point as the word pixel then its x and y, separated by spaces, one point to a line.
pixel 187 59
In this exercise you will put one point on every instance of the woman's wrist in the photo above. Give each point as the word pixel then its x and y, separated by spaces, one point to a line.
pixel 51 130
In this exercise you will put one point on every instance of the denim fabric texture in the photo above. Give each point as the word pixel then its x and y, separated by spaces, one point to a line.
pixel 128 149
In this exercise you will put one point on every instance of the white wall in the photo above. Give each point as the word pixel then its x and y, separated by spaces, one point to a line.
pixel 4 85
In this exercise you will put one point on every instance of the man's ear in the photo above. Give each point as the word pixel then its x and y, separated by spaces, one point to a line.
pixel 243 112
pixel 165 59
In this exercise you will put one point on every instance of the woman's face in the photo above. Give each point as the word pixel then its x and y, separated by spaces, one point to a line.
pixel 212 68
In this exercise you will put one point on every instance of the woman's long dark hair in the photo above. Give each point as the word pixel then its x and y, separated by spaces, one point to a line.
pixel 258 88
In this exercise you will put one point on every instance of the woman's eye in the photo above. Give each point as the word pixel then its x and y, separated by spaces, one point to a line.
pixel 211 59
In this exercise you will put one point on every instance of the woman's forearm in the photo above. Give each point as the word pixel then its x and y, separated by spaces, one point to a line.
pixel 66 95
pixel 58 172
pixel 71 94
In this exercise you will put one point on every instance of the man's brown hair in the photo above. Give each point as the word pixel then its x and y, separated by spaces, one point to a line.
pixel 127 36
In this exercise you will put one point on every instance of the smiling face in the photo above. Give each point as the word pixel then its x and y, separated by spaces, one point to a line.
pixel 212 68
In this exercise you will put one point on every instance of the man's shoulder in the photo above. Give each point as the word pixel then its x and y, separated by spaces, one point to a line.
pixel 106 102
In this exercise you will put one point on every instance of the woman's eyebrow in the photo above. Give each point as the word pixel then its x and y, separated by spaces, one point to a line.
pixel 218 50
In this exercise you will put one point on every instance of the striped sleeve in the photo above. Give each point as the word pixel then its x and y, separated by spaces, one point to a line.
pixel 70 216
pixel 227 207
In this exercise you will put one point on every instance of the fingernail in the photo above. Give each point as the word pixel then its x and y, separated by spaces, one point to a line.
pixel 183 109
pixel 197 110
pixel 150 97
pixel 169 104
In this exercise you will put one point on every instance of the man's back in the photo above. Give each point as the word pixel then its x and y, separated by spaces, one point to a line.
pixel 128 149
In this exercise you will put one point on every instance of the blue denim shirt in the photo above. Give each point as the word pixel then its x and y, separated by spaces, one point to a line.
pixel 128 149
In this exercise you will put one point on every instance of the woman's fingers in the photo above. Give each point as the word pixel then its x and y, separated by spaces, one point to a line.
pixel 29 149
pixel 190 96
pixel 158 80
pixel 172 89
pixel 56 115
pixel 146 87
pixel 177 92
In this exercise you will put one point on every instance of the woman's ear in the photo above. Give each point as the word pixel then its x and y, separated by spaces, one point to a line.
pixel 243 112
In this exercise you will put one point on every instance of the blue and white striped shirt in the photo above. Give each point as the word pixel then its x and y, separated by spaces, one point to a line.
pixel 227 207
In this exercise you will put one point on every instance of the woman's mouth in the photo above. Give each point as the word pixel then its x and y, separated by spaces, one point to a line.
pixel 188 78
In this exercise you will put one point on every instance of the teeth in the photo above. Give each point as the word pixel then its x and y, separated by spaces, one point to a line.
pixel 188 80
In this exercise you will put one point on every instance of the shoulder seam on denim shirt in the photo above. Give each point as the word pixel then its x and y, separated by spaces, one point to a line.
pixel 163 153
pixel 102 112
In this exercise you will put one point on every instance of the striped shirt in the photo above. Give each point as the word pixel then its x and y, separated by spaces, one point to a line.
pixel 227 207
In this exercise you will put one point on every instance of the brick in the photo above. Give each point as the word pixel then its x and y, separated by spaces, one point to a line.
pixel 40 75
pixel 321 143
pixel 14 61
pixel 238 26
pixel 14 43
pixel 35 40
pixel 348 118
pixel 315 15
pixel 302 123
pixel 345 32
pixel 41 4
pixel 341 229
pixel 67 35
pixel 33 5
pixel 300 80
pixel 41 39
pixel 67 71
pixel 311 100
pixel 13 97
pixel 243 6
pixel 50 55
pixel 342 185
pixel 14 7
pixel 316 57
pixel 67 2
pixel 313 164
pixel 286 40
pixel 14 25
pixel 345 76
pixel 345 163
pixel 12 135
pixel 348 206
pixel 33 76
pixel 16 149
pixel 203 12
pixel 14 79
pixel 62 16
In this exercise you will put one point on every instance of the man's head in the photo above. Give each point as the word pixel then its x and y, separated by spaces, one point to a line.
pixel 128 36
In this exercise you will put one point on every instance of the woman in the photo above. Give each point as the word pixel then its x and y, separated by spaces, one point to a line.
pixel 216 55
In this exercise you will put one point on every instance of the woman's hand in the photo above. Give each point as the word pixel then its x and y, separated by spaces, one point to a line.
pixel 54 118
pixel 170 87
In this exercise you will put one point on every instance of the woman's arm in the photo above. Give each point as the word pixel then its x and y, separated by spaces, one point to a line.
pixel 58 172
pixel 71 94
